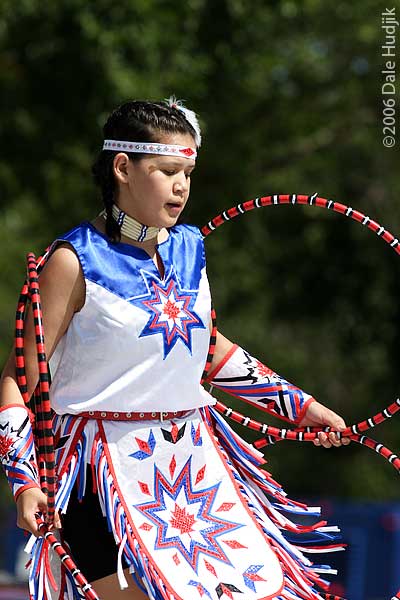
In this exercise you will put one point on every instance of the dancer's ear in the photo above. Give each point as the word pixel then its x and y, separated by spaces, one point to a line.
pixel 120 167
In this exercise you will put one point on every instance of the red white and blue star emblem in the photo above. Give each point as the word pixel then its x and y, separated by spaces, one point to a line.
pixel 184 518
pixel 171 311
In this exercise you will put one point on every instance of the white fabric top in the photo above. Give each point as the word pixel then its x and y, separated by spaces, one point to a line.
pixel 140 342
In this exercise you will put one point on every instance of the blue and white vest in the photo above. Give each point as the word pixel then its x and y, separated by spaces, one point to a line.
pixel 140 342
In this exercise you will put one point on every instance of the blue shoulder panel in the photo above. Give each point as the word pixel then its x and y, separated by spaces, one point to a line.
pixel 127 270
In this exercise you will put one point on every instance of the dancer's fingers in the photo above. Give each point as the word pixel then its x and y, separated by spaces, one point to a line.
pixel 29 503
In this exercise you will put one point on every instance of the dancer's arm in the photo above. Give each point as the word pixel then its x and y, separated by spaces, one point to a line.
pixel 62 293
pixel 236 372
pixel 62 289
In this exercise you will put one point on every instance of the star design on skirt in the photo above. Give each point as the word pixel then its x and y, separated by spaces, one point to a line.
pixel 184 517
pixel 171 311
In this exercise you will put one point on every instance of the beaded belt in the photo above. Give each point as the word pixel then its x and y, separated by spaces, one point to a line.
pixel 133 416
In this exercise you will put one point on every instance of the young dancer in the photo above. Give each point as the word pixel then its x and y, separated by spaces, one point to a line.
pixel 151 479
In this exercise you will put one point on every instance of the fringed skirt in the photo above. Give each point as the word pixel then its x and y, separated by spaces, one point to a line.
pixel 192 512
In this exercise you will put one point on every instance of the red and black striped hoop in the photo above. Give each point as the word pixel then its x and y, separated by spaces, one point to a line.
pixel 273 434
pixel 40 406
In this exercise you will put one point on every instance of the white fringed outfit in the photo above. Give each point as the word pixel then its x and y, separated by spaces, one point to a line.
pixel 189 506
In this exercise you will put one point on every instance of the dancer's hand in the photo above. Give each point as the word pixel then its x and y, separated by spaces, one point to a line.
pixel 29 503
pixel 319 415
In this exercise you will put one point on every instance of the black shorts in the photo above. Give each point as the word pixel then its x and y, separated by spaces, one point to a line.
pixel 93 547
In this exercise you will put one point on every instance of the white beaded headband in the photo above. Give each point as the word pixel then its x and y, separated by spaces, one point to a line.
pixel 150 148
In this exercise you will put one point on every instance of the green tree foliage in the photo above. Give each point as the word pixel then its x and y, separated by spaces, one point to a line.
pixel 289 98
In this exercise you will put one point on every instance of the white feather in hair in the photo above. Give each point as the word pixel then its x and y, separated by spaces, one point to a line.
pixel 190 117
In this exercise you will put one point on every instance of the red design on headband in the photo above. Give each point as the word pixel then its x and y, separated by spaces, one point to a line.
pixel 187 151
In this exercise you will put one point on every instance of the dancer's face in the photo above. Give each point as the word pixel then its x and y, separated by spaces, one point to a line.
pixel 154 190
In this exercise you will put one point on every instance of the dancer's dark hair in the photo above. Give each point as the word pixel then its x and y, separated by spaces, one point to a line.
pixel 136 121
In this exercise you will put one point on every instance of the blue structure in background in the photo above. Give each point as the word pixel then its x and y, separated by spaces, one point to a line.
pixel 369 569
pixel 12 540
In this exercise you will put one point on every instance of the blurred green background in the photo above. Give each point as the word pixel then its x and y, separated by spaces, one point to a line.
pixel 289 98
